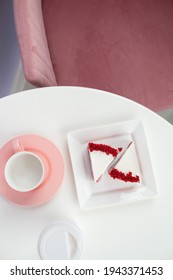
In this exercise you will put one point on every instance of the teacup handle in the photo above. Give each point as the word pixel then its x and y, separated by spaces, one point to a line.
pixel 17 146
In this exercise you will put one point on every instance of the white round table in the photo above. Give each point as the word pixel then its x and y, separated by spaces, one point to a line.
pixel 139 230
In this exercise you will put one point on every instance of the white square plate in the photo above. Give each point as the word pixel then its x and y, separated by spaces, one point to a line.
pixel 108 191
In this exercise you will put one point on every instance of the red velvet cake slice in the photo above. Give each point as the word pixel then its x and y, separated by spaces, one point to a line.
pixel 101 156
pixel 127 168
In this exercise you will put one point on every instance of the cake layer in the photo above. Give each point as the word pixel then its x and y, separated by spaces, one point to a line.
pixel 101 156
pixel 127 167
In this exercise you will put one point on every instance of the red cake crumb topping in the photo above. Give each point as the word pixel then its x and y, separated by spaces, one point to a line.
pixel 104 148
pixel 116 174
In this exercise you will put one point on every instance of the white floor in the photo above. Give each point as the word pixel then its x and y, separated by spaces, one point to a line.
pixel 167 115
pixel 21 84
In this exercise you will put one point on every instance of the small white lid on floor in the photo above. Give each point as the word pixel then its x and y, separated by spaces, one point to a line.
pixel 61 240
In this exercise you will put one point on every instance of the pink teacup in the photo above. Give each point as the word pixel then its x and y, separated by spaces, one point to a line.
pixel 24 170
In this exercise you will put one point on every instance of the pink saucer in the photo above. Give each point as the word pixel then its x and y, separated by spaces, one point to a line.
pixel 54 177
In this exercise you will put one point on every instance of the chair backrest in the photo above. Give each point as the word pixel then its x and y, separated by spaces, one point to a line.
pixel 33 45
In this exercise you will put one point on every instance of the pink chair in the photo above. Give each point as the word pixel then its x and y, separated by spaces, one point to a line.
pixel 32 40
pixel 124 47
